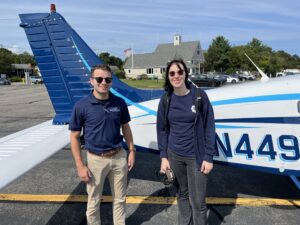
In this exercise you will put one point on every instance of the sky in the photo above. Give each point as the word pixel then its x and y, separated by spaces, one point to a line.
pixel 116 25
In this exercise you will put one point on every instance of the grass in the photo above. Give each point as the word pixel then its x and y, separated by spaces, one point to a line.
pixel 147 84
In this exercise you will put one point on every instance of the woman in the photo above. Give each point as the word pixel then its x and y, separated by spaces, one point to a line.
pixel 186 140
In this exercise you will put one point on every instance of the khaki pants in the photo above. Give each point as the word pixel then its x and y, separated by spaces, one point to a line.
pixel 116 169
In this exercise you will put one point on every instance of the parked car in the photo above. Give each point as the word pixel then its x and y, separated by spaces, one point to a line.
pixel 4 81
pixel 288 72
pixel 203 80
pixel 246 76
pixel 232 79
pixel 36 79
pixel 222 78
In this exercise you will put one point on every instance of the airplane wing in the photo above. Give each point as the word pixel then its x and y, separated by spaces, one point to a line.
pixel 21 151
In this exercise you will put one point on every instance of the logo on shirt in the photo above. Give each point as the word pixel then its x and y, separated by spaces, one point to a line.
pixel 114 109
pixel 193 109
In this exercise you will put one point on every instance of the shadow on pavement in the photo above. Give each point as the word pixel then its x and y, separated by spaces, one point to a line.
pixel 224 182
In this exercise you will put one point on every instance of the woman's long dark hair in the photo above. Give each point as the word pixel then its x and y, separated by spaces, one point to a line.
pixel 167 85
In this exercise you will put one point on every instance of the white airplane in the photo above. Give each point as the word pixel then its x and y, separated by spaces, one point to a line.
pixel 257 123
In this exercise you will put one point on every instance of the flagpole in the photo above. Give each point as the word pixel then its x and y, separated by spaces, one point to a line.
pixel 131 57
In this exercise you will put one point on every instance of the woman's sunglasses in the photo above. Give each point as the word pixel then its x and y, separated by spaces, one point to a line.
pixel 179 72
pixel 99 80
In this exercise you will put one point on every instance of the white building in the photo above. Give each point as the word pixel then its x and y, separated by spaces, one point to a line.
pixel 154 64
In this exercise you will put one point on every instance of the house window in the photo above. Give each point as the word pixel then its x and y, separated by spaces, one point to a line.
pixel 162 70
pixel 149 70
pixel 198 52
pixel 129 71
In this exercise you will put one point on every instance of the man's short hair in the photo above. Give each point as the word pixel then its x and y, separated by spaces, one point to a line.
pixel 101 67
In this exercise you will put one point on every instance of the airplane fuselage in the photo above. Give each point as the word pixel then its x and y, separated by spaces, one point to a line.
pixel 257 125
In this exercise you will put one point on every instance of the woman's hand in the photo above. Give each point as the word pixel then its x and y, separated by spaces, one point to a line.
pixel 165 165
pixel 206 167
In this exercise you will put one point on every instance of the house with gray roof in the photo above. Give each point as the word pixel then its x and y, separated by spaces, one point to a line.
pixel 154 64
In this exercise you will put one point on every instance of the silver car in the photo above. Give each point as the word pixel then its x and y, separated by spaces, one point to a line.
pixel 4 81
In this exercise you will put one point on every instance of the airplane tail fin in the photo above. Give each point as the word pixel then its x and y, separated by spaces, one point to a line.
pixel 65 62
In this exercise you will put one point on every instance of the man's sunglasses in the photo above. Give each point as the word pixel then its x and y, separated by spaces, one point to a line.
pixel 99 80
pixel 179 72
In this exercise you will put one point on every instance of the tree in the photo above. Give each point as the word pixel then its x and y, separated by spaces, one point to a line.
pixel 287 61
pixel 116 62
pixel 25 58
pixel 111 60
pixel 104 56
pixel 216 57
pixel 259 53
pixel 236 59
pixel 6 59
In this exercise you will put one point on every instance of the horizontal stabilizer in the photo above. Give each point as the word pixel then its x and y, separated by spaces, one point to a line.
pixel 21 151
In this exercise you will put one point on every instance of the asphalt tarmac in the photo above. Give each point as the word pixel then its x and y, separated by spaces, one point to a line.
pixel 235 196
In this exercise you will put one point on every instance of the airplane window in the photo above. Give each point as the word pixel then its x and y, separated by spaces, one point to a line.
pixel 298 106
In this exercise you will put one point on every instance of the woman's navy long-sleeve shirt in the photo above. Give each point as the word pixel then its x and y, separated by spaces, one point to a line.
pixel 204 130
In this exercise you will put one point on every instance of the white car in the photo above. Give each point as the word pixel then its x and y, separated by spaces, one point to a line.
pixel 36 79
pixel 230 79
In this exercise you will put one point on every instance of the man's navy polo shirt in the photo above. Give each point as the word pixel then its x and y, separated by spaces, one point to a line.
pixel 101 121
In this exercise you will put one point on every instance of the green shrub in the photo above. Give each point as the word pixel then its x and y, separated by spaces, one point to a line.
pixel 144 76
pixel 120 74
pixel 15 79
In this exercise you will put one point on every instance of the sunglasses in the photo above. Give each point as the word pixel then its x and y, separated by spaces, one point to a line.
pixel 179 72
pixel 99 80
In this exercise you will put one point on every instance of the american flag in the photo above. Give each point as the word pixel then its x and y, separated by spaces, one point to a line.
pixel 127 52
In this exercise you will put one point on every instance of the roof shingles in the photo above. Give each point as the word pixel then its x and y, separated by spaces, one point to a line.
pixel 163 54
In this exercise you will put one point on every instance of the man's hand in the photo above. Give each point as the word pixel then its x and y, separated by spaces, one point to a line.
pixel 84 173
pixel 206 167
pixel 131 159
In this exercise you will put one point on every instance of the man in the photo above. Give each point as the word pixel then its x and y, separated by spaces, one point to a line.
pixel 101 115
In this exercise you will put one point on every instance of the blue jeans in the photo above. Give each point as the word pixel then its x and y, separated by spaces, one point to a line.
pixel 190 185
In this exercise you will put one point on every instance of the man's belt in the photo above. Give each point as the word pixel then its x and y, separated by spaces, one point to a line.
pixel 108 153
